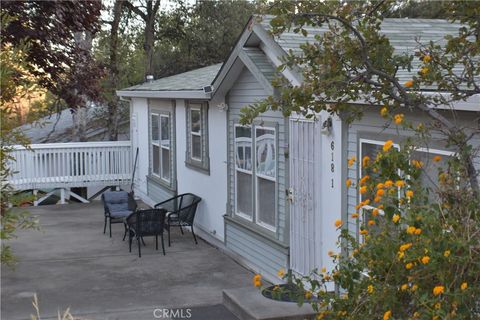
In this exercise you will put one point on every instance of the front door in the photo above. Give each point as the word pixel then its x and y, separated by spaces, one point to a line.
pixel 305 218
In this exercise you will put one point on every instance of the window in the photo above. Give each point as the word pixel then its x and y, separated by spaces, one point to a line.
pixel 255 181
pixel 161 148
pixel 265 153
pixel 197 136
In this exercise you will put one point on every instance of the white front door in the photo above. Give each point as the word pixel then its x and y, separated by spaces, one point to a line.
pixel 305 207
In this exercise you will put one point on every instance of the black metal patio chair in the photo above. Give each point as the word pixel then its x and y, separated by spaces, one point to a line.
pixel 118 205
pixel 181 211
pixel 145 223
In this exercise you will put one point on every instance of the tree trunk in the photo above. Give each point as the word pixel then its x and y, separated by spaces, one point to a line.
pixel 113 103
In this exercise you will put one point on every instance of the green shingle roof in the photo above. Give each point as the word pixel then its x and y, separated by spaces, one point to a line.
pixel 186 81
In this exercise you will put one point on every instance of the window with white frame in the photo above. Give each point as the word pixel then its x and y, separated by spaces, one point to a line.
pixel 160 146
pixel 265 173
pixel 424 156
pixel 197 136
pixel 255 174
pixel 243 172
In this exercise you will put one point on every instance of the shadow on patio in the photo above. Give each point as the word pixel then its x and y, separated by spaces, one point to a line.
pixel 71 263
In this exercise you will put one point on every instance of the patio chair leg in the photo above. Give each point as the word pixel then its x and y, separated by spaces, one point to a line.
pixel 129 242
pixel 181 229
pixel 168 230
pixel 125 233
pixel 139 247
pixel 156 242
pixel 163 245
pixel 105 225
pixel 110 227
pixel 143 242
pixel 194 238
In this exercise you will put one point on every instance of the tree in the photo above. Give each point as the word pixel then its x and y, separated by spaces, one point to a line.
pixel 50 28
pixel 15 80
pixel 418 257
pixel 357 58
pixel 149 18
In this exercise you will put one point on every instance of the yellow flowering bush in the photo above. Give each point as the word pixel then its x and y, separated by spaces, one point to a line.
pixel 418 253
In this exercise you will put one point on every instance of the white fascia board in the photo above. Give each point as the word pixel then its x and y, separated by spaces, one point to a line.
pixel 193 94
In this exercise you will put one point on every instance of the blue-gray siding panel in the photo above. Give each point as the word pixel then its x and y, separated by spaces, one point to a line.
pixel 157 192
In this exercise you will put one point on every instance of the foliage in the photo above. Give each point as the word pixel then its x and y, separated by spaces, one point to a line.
pixel 14 80
pixel 354 61
pixel 417 252
pixel 417 259
pixel 50 28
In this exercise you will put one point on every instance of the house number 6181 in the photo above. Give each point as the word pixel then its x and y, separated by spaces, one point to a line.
pixel 332 164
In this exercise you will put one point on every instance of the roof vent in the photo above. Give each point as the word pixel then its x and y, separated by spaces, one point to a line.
pixel 149 77
pixel 208 89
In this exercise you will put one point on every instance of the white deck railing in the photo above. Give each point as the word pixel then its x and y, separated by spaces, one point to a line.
pixel 67 165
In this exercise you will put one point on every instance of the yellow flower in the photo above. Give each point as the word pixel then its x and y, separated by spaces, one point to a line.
pixel 414 287
pixel 438 290
pixel 281 273
pixel 446 254
pixel 370 289
pixel 363 190
pixel 411 230
pixel 464 286
pixel 388 144
pixel 384 112
pixel 416 314
pixel 424 71
pixel 418 231
pixel 371 222
pixel 380 192
pixel 351 161
pixel 409 266
pixel 325 269
pixel 338 223
pixel 408 84
pixel 364 180
pixel 257 280
pixel 363 232
pixel 366 161
pixel 377 199
pixel 417 164
pixel 401 254
pixel 308 295
pixel 348 183
pixel 437 305
pixel 388 183
pixel 387 315
pixel 425 259
pixel 355 215
pixel 437 158
pixel 427 58
pixel 398 118
pixel 404 287
pixel 409 193
pixel 400 183
pixel 405 247
pixel 375 212
pixel 395 218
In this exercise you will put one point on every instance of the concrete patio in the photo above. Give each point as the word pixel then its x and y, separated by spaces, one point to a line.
pixel 71 263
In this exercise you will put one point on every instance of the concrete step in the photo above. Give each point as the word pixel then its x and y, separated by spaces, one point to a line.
pixel 249 304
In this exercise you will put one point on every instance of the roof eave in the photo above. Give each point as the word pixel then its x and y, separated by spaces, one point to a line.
pixel 178 94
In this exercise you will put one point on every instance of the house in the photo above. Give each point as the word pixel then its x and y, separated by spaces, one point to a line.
pixel 271 191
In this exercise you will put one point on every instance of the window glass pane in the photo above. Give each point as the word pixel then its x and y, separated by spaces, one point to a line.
pixel 244 193
pixel 166 164
pixel 165 129
pixel 156 159
pixel 266 152
pixel 430 169
pixel 243 143
pixel 196 147
pixel 266 201
pixel 154 128
pixel 195 120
